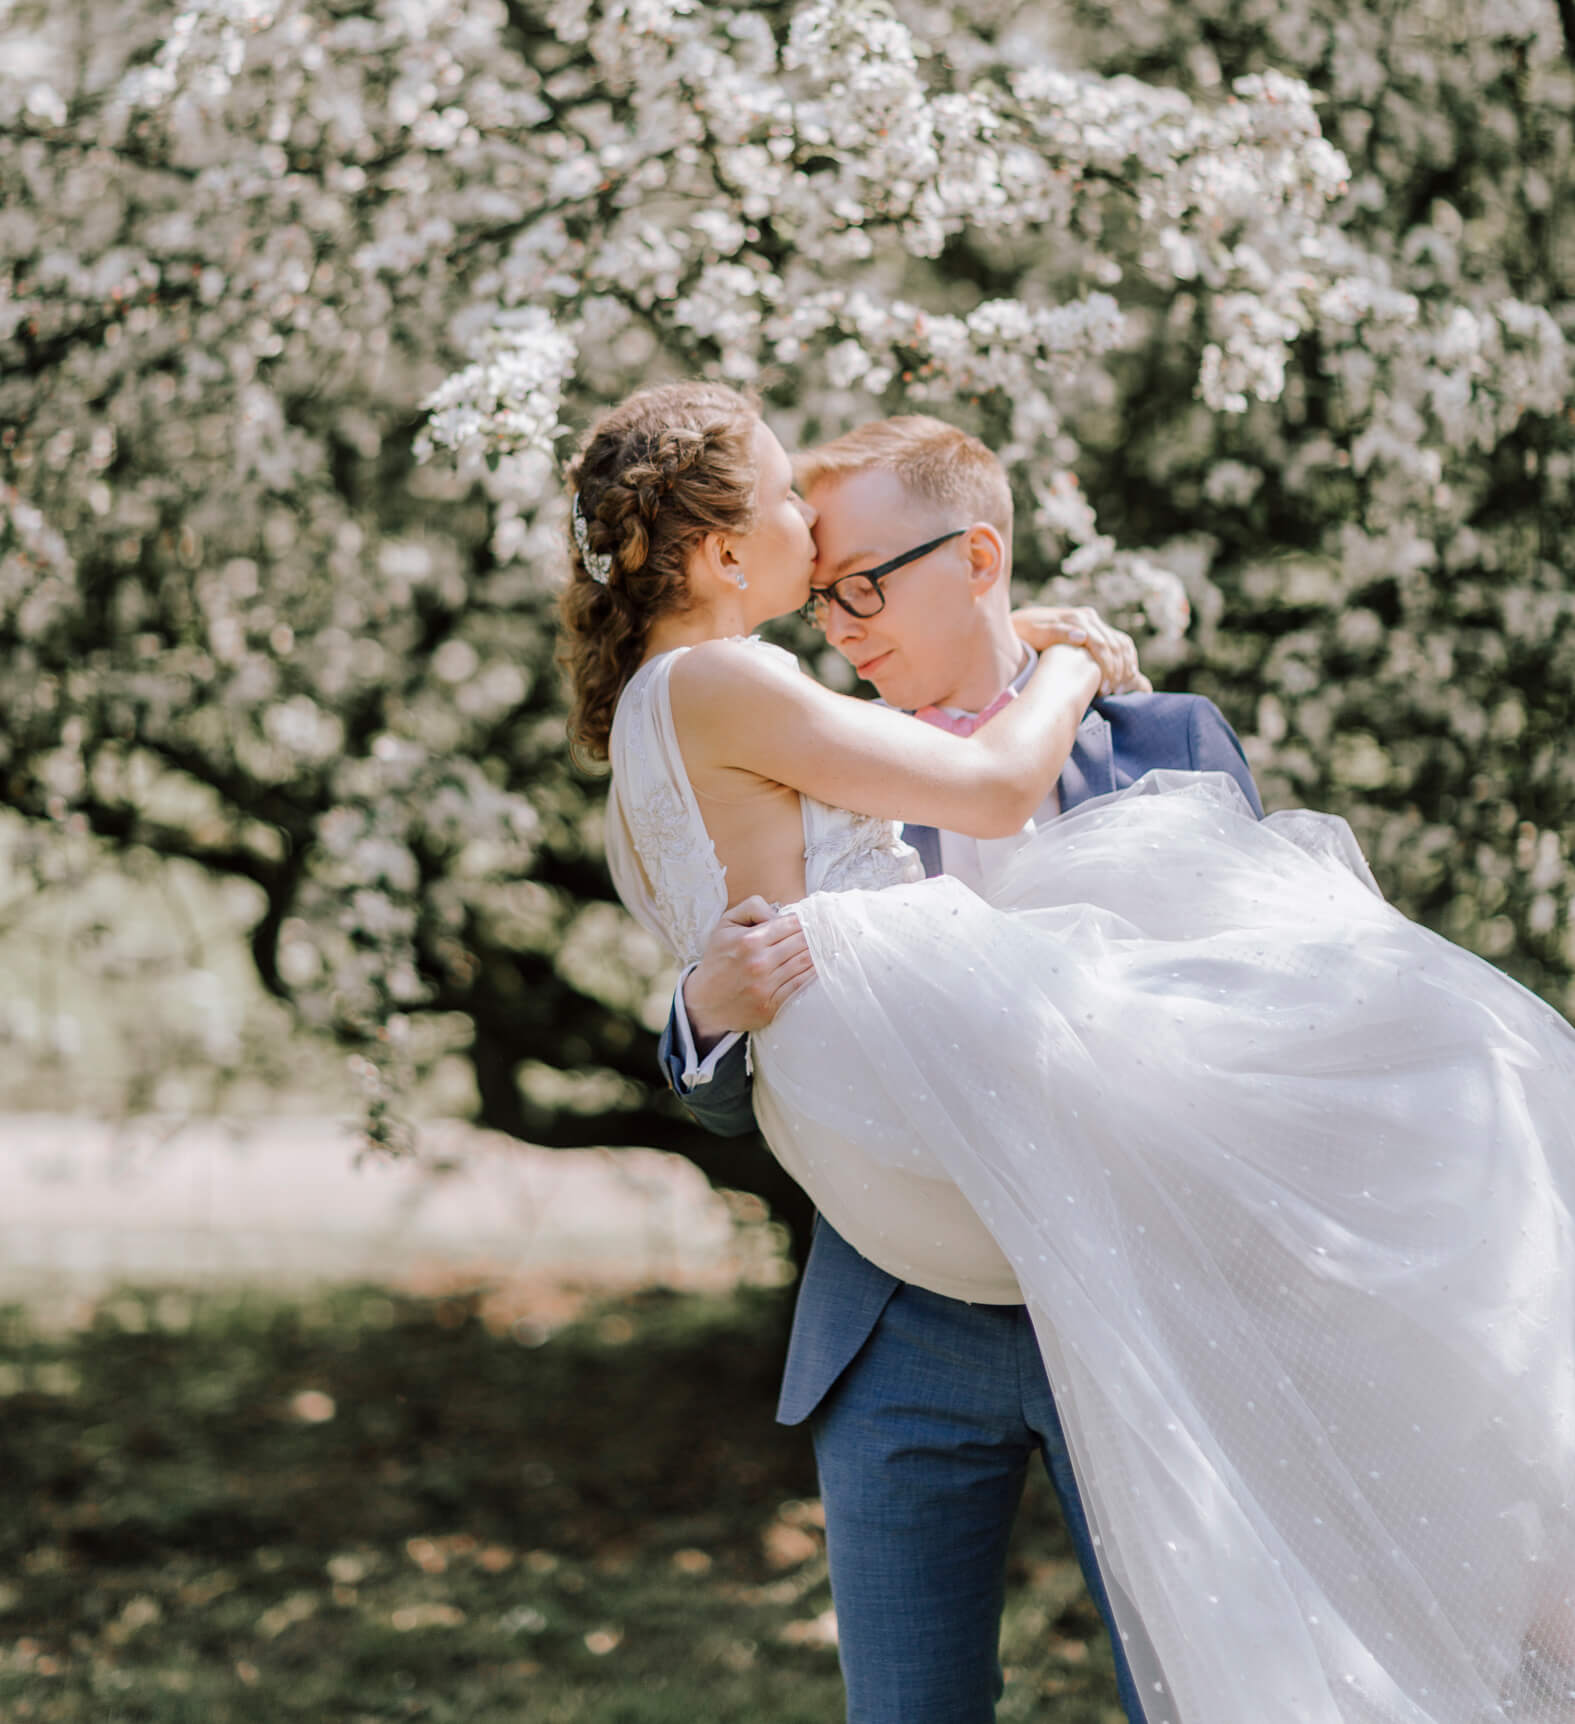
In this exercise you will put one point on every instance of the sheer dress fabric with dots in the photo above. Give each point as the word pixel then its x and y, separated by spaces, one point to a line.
pixel 1284 1179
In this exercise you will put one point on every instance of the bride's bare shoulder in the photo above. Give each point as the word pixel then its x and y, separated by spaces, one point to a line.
pixel 729 668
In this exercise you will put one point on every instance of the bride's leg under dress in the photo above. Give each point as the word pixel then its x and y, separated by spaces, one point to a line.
pixel 1285 1181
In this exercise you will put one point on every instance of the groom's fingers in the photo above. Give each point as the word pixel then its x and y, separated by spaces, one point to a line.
pixel 795 984
pixel 778 953
pixel 762 962
pixel 751 953
pixel 778 966
pixel 1115 650
pixel 793 961
pixel 749 912
pixel 792 975
pixel 771 942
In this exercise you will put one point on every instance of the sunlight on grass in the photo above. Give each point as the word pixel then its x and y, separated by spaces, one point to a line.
pixel 369 1508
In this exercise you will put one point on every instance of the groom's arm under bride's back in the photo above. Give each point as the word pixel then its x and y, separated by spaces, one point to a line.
pixel 753 963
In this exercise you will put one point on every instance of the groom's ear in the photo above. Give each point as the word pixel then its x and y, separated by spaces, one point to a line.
pixel 986 558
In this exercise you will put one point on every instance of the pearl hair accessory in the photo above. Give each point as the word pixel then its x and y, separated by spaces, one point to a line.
pixel 598 565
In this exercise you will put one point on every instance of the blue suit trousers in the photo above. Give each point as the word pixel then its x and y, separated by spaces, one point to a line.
pixel 923 1446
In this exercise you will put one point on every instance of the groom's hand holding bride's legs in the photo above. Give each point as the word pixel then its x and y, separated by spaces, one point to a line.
pixel 756 960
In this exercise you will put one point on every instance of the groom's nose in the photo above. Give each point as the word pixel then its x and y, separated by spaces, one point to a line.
pixel 842 628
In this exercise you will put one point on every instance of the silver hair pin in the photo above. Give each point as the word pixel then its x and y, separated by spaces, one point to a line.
pixel 598 565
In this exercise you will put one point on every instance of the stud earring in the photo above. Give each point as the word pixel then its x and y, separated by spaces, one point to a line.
pixel 743 585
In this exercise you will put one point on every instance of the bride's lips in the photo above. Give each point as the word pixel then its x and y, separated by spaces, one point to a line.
pixel 873 664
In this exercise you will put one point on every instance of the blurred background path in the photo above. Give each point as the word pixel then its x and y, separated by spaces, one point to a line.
pixel 87 1205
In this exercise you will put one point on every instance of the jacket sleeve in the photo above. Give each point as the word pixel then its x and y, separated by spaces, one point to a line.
pixel 1215 747
pixel 723 1105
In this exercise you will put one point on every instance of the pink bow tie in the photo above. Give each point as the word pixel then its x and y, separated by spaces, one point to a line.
pixel 964 723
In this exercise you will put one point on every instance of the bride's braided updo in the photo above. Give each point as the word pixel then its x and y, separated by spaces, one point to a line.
pixel 652 478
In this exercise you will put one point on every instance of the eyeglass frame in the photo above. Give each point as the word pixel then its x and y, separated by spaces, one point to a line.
pixel 875 576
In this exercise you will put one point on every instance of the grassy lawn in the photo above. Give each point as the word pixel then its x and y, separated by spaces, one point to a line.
pixel 369 1507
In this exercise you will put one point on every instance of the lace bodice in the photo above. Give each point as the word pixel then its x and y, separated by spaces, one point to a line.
pixel 663 861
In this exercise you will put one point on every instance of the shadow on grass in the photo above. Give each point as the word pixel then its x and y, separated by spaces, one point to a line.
pixel 366 1507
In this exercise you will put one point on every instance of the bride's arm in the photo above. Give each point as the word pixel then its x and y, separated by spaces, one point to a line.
pixel 735 706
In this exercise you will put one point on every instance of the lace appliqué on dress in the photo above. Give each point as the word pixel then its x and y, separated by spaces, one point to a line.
pixel 844 852
pixel 687 881
pixel 661 829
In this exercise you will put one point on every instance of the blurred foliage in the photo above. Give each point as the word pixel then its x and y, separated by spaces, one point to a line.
pixel 243 628
pixel 130 989
pixel 1394 635
pixel 375 1508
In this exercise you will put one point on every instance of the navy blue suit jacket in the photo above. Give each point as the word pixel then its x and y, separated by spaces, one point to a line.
pixel 843 1293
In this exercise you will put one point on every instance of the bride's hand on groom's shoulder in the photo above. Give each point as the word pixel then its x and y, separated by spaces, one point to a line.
pixel 1045 626
pixel 756 960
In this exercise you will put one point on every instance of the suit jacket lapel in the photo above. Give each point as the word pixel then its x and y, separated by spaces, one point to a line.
pixel 927 841
pixel 1091 769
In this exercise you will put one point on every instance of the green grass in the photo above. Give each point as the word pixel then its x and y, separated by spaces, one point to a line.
pixel 370 1508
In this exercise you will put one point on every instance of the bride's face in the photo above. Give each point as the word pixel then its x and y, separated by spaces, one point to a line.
pixel 777 556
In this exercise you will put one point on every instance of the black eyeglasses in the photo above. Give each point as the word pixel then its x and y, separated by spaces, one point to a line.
pixel 860 595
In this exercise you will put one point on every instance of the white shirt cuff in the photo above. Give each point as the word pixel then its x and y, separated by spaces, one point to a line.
pixel 696 1070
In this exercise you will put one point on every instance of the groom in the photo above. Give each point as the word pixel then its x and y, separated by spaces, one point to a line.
pixel 925 1409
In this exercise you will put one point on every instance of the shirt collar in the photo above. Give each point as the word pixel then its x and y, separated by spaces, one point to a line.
pixel 1016 685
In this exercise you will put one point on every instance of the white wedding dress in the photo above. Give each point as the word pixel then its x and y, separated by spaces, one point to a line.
pixel 1286 1182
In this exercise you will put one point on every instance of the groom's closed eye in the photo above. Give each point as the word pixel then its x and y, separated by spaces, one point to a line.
pixel 861 594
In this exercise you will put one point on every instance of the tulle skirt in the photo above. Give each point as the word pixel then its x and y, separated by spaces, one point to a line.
pixel 1286 1182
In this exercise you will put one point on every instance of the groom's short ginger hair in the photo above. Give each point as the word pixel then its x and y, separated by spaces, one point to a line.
pixel 933 459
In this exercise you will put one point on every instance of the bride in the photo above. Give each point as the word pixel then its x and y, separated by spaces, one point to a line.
pixel 1306 1288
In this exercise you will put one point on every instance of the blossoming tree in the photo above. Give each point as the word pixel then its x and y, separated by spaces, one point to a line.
pixel 301 298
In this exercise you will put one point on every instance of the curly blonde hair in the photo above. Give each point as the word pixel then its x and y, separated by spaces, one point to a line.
pixel 652 477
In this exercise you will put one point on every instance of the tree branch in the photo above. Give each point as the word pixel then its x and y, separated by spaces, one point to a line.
pixel 125 826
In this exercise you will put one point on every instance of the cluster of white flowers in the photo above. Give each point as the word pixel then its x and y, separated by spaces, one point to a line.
pixel 204 51
pixel 724 306
pixel 1248 357
pixel 510 397
pixel 1001 345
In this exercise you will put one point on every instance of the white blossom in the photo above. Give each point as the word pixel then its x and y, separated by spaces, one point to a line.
pixel 511 395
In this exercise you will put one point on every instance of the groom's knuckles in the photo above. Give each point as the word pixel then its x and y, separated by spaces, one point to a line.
pixel 790 960
pixel 754 964
pixel 772 974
